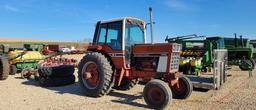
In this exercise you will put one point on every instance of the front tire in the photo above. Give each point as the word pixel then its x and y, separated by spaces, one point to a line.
pixel 157 94
pixel 100 71
pixel 182 89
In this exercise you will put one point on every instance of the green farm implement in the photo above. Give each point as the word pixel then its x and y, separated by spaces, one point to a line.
pixel 240 52
pixel 21 61
pixel 197 55
pixel 203 61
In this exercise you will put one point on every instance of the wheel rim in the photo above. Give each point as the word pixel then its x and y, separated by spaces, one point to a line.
pixel 90 75
pixel 180 87
pixel 156 95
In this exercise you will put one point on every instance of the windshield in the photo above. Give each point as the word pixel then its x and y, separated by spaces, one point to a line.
pixel 133 34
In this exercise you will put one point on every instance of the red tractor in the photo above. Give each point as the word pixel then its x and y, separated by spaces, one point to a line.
pixel 119 56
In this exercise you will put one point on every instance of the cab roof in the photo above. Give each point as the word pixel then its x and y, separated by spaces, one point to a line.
pixel 121 19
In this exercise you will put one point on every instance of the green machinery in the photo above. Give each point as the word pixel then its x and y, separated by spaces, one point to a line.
pixel 203 60
pixel 34 47
pixel 197 54
pixel 19 57
pixel 25 58
pixel 240 52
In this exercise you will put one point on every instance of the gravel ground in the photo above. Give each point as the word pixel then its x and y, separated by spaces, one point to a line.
pixel 21 94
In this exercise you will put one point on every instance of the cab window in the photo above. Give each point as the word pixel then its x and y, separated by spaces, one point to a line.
pixel 111 34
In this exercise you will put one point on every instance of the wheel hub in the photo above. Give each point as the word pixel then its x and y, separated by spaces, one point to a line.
pixel 87 75
pixel 91 75
pixel 179 86
pixel 156 95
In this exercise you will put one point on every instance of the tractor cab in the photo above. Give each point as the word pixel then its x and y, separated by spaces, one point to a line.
pixel 117 37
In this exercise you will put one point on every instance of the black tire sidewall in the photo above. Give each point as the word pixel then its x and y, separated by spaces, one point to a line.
pixel 164 88
pixel 58 71
pixel 99 89
pixel 188 89
pixel 101 75
pixel 56 81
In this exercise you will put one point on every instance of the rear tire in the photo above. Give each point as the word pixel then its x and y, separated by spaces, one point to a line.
pixel 101 71
pixel 157 94
pixel 4 68
pixel 183 90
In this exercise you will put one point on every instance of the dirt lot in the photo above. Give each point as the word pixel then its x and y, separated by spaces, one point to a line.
pixel 21 94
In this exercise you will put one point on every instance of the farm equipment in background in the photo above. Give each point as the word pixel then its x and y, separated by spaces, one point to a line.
pixel 23 61
pixel 197 54
pixel 240 53
pixel 119 57
pixel 56 70
pixel 29 63
pixel 4 65
pixel 50 49
pixel 34 47
pixel 199 57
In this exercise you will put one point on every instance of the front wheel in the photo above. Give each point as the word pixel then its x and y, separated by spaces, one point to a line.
pixel 182 89
pixel 157 94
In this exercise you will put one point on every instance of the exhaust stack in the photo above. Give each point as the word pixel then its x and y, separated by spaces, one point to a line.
pixel 242 41
pixel 235 40
pixel 151 25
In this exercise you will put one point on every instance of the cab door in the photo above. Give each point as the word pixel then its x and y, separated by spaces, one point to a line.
pixel 134 34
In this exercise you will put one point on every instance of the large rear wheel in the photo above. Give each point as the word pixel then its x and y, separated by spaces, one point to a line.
pixel 182 89
pixel 157 94
pixel 4 68
pixel 95 74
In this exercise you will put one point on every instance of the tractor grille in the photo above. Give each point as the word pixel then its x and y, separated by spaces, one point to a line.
pixel 175 57
pixel 176 48
pixel 175 61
